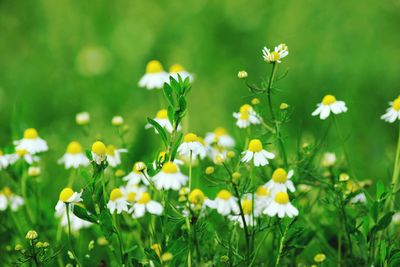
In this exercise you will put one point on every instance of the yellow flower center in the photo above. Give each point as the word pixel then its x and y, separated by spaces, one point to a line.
pixel 196 197
pixel 7 191
pixel 144 198
pixel 220 131
pixel 131 197
pixel 262 191
pixel 255 145
pixel 282 198
pixel 244 115
pixel 162 114
pixel 154 66
pixel 396 104
pixel 224 194
pixel 190 137
pixel 30 133
pixel 66 194
pixel 247 206
pixel 99 148
pixel 116 193
pixel 279 175
pixel 245 108
pixel 21 152
pixel 74 148
pixel 328 100
pixel 169 167
pixel 176 68
pixel 110 150
pixel 275 56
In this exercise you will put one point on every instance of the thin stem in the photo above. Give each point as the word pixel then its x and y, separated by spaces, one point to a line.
pixel 117 232
pixel 190 170
pixel 395 177
pixel 69 236
pixel 189 257
pixel 25 196
pixel 281 244
pixel 276 123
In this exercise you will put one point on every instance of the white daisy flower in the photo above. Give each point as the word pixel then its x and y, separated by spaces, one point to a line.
pixel 329 104
pixel 82 118
pixel 99 152
pixel 114 155
pixel 132 192
pixel 393 112
pixel 155 76
pixel 170 177
pixel 74 156
pixel 280 181
pixel 146 204
pixel 281 206
pixel 24 155
pixel 247 207
pixel 177 69
pixel 256 152
pixel 279 52
pixel 162 119
pixel 137 175
pixel 191 145
pixel 262 198
pixel 117 201
pixel 4 160
pixel 67 196
pixel 224 203
pixel 220 137
pixel 9 199
pixel 31 142
pixel 246 116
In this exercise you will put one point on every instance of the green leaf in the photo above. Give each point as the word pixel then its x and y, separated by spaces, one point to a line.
pixel 168 94
pixel 160 130
pixel 84 214
pixel 380 189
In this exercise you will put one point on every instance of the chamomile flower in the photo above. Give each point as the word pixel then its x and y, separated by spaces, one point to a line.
pixel 117 201
pixel 82 118
pixel 4 160
pixel 256 153
pixel 281 206
pixel 329 104
pixel 225 203
pixel 191 145
pixel 9 199
pixel 67 196
pixel 74 156
pixel 132 192
pixel 170 177
pixel 162 119
pixel 137 175
pixel 146 204
pixel 393 112
pixel 99 152
pixel 23 155
pixel 114 155
pixel 247 207
pixel 220 137
pixel 262 198
pixel 117 121
pixel 280 181
pixel 246 116
pixel 31 142
pixel 279 52
pixel 177 69
pixel 155 76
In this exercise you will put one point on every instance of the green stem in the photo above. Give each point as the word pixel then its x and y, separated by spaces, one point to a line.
pixel 395 177
pixel 189 256
pixel 281 243
pixel 117 232
pixel 69 236
pixel 276 123
pixel 25 196
pixel 190 170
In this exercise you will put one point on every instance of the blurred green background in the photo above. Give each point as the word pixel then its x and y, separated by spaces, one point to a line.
pixel 61 57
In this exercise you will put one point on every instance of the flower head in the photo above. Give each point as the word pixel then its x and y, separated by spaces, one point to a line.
pixel 170 177
pixel 281 206
pixel 99 152
pixel 146 204
pixel 329 104
pixel 279 52
pixel 82 118
pixel 155 76
pixel 256 153
pixel 74 156
pixel 177 69
pixel 393 112
pixel 117 201
pixel 31 142
pixel 280 181
pixel 191 146
pixel 246 116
